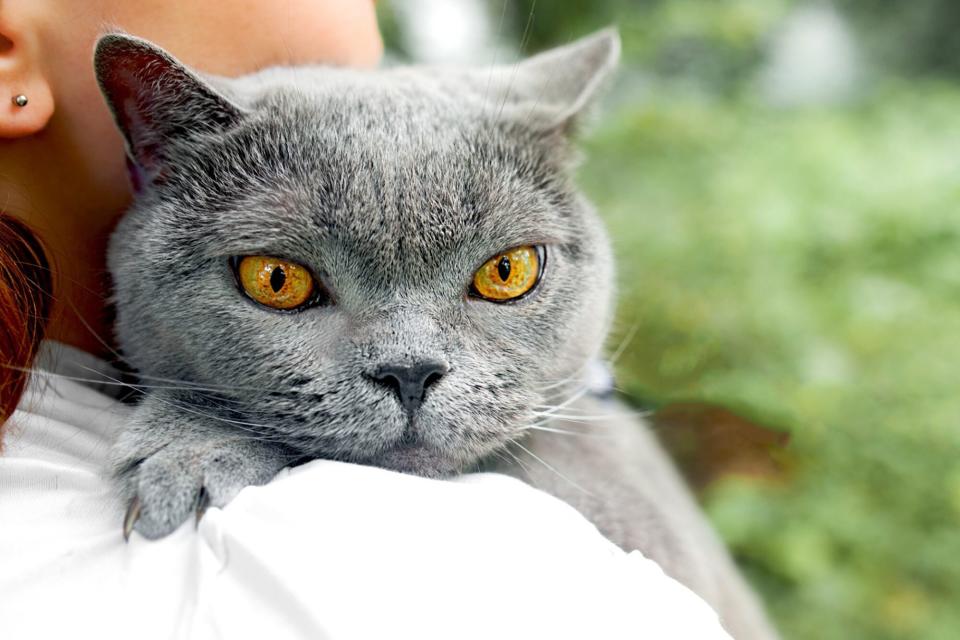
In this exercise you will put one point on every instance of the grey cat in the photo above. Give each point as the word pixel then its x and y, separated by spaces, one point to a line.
pixel 386 267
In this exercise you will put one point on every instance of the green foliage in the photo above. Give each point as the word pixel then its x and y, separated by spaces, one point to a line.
pixel 919 36
pixel 719 41
pixel 802 267
pixel 390 30
pixel 716 43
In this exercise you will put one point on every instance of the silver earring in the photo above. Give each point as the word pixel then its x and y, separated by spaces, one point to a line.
pixel 20 100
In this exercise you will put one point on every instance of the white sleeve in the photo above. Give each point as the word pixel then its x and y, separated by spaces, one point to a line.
pixel 326 550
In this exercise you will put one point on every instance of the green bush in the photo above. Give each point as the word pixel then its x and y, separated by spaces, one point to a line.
pixel 803 268
pixel 715 44
pixel 719 41
pixel 919 36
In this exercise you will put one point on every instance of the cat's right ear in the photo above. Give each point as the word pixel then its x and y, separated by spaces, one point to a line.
pixel 553 89
pixel 156 100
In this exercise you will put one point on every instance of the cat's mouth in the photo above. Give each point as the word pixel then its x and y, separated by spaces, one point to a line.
pixel 413 455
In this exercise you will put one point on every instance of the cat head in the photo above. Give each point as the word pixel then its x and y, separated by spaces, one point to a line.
pixel 390 267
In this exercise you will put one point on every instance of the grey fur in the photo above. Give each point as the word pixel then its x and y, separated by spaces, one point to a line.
pixel 393 186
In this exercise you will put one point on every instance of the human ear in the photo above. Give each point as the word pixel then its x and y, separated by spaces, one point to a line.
pixel 26 98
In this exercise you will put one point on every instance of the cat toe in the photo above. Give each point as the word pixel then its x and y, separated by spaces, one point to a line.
pixel 130 519
pixel 165 494
pixel 231 467
pixel 180 482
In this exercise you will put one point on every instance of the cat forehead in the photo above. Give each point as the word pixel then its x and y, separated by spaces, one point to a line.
pixel 367 158
pixel 411 106
pixel 373 194
pixel 403 136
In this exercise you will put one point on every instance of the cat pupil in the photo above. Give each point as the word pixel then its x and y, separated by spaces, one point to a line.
pixel 277 278
pixel 503 268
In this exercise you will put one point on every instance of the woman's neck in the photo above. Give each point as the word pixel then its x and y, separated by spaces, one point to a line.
pixel 49 188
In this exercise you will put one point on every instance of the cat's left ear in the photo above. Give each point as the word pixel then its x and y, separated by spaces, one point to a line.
pixel 554 88
pixel 156 100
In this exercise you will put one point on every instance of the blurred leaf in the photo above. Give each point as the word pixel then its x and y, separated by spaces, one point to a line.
pixel 803 269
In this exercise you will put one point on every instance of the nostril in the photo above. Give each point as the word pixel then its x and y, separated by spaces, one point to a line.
pixel 410 382
pixel 386 379
pixel 432 379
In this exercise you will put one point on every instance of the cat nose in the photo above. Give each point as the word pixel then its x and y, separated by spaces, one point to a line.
pixel 410 382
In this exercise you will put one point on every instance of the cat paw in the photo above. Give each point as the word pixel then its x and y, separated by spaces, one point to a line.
pixel 180 480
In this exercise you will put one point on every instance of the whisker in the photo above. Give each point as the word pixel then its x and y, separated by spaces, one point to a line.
pixel 565 432
pixel 573 398
pixel 133 386
pixel 141 376
pixel 250 428
pixel 200 386
pixel 624 343
pixel 178 405
pixel 563 416
pixel 516 67
pixel 545 464
pixel 493 62
pixel 518 461
pixel 594 419
pixel 614 357
pixel 190 409
pixel 83 321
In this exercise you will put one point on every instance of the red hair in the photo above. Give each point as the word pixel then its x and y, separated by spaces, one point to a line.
pixel 25 296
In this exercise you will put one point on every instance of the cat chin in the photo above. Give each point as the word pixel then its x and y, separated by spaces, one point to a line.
pixel 416 459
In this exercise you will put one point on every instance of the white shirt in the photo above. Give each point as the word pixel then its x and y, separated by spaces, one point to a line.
pixel 326 550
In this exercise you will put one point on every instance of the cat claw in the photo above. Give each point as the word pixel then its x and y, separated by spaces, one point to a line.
pixel 203 501
pixel 133 514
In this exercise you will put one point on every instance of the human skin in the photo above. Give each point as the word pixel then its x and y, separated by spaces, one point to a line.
pixel 62 164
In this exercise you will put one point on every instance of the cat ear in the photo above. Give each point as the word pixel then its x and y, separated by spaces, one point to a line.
pixel 155 99
pixel 557 86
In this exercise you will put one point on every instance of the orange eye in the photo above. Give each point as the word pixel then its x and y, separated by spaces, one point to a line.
pixel 509 275
pixel 275 283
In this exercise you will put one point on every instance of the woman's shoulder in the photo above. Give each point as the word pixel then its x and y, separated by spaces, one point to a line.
pixel 327 549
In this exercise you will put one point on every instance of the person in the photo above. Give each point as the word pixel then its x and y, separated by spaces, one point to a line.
pixel 63 182
pixel 325 550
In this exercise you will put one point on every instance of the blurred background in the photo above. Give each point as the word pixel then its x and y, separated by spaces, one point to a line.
pixel 782 183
